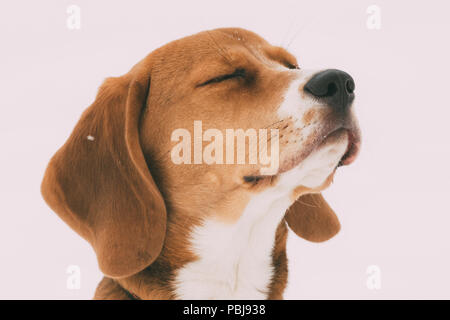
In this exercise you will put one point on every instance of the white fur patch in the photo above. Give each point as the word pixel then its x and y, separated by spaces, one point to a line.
pixel 315 169
pixel 293 104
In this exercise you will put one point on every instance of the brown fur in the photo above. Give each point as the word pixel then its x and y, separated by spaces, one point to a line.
pixel 122 193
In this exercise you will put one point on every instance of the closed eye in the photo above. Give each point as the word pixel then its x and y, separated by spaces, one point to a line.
pixel 238 73
pixel 291 66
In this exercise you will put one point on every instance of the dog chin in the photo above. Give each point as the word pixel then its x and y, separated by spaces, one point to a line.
pixel 317 168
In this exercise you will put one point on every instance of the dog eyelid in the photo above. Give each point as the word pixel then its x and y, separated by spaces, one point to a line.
pixel 292 66
pixel 238 73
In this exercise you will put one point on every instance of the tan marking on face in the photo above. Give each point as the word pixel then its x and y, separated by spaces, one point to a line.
pixel 308 116
pixel 230 210
pixel 302 92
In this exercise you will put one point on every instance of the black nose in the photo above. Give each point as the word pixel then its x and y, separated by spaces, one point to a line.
pixel 334 87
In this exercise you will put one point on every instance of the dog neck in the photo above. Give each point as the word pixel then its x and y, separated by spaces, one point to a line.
pixel 235 261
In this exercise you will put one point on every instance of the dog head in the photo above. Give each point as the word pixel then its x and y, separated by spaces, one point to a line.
pixel 154 144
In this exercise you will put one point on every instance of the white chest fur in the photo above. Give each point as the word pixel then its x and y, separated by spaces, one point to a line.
pixel 235 260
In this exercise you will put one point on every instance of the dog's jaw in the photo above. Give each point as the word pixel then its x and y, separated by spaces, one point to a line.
pixel 315 169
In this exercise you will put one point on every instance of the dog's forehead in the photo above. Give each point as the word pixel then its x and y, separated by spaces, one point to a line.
pixel 255 43
pixel 239 36
pixel 229 38
pixel 219 44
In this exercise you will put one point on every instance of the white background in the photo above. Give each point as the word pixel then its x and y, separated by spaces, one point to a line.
pixel 392 202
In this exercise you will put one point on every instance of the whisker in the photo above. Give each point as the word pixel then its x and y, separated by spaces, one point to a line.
pixel 276 122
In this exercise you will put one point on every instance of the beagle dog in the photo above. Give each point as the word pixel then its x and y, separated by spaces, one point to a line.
pixel 164 230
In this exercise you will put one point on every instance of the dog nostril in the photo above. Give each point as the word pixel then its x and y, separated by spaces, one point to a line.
pixel 350 86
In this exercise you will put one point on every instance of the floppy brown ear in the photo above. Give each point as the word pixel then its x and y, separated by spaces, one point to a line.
pixel 100 185
pixel 311 218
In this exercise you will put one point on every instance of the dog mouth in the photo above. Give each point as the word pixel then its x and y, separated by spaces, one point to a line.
pixel 351 153
pixel 353 147
pixel 333 136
